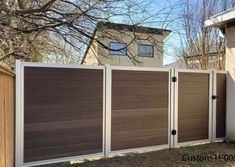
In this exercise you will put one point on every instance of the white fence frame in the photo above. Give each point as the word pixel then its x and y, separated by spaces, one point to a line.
pixel 214 103
pixel 107 108
pixel 19 139
pixel 209 72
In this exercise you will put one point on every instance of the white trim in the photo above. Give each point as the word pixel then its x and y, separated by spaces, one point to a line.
pixel 108 110
pixel 193 71
pixel 22 110
pixel 171 143
pixel 29 64
pixel 139 150
pixel 176 109
pixel 219 139
pixel 221 72
pixel 104 112
pixel 211 108
pixel 191 143
pixel 177 71
pixel 227 119
pixel 214 92
pixel 220 18
pixel 19 126
pixel 72 158
pixel 170 109
pixel 138 68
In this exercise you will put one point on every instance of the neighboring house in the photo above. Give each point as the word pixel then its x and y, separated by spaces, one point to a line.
pixel 126 45
pixel 180 64
pixel 226 22
pixel 215 60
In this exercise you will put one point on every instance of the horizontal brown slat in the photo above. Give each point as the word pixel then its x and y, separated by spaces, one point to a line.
pixel 61 125
pixel 138 142
pixel 193 135
pixel 58 133
pixel 62 151
pixel 61 116
pixel 57 107
pixel 133 112
pixel 62 141
pixel 138 133
pixel 193 115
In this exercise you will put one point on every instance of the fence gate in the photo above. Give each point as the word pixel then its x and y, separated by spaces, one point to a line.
pixel 219 105
pixel 193 111
pixel 199 106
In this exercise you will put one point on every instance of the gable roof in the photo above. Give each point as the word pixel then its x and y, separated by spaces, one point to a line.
pixel 124 27
pixel 132 28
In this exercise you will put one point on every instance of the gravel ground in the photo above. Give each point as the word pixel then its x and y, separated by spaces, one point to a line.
pixel 216 154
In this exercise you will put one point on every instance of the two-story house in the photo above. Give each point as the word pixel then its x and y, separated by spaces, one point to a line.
pixel 225 21
pixel 126 45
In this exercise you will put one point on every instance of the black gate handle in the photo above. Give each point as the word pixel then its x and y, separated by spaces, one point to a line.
pixel 215 97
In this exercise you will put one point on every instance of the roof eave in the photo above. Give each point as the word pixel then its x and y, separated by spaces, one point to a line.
pixel 221 19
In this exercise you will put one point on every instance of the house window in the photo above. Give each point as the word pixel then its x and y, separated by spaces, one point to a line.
pixel 145 50
pixel 118 48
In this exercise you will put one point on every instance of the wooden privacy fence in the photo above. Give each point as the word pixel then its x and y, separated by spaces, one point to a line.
pixel 7 87
pixel 67 112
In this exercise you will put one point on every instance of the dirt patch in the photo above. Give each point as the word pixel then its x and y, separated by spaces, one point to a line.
pixel 184 156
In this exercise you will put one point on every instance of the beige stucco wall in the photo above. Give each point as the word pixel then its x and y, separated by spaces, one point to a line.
pixel 132 59
pixel 230 67
pixel 91 55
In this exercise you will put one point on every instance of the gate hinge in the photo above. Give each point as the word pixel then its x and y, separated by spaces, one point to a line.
pixel 174 79
pixel 214 97
pixel 173 132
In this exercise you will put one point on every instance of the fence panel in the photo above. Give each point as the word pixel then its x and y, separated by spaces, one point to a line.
pixel 63 112
pixel 193 106
pixel 7 114
pixel 139 109
pixel 220 105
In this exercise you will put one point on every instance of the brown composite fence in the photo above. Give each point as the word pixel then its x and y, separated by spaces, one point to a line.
pixel 7 87
pixel 139 109
pixel 72 112
pixel 221 105
pixel 63 112
pixel 193 106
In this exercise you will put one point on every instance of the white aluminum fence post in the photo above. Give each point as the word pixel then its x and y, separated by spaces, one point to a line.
pixel 108 108
pixel 213 102
pixel 170 105
pixel 176 106
pixel 19 125
pixel 211 108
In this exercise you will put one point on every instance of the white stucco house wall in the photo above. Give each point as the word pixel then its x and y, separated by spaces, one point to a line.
pixel 226 22
pixel 126 45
